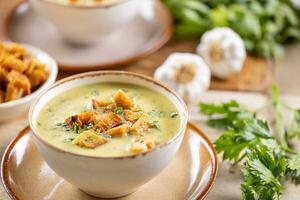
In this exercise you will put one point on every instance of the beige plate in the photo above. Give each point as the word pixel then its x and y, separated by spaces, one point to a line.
pixel 191 174
pixel 142 36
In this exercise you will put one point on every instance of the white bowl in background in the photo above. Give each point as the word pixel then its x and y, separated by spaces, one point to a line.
pixel 89 24
pixel 108 177
pixel 13 109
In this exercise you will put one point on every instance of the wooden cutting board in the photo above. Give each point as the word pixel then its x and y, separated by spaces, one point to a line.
pixel 255 76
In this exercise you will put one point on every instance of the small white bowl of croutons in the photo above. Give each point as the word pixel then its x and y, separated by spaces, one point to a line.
pixel 24 72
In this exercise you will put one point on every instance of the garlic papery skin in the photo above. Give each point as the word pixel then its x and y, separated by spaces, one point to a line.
pixel 223 50
pixel 186 73
pixel 296 3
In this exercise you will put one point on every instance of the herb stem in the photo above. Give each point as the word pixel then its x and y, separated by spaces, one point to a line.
pixel 240 159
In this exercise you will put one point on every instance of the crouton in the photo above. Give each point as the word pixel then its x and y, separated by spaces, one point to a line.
pixel 37 77
pixel 13 92
pixel 12 63
pixel 2 96
pixel 141 125
pixel 138 147
pixel 132 116
pixel 150 143
pixel 3 75
pixel 105 106
pixel 109 121
pixel 82 119
pixel 123 100
pixel 118 131
pixel 17 50
pixel 19 81
pixel 90 139
pixel 142 145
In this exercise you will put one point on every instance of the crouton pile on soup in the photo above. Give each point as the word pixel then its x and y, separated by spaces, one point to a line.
pixel 20 73
pixel 108 120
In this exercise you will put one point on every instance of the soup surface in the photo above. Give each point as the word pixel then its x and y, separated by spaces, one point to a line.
pixel 85 2
pixel 108 120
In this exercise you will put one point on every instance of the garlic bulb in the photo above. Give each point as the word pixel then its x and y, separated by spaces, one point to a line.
pixel 296 3
pixel 223 50
pixel 186 73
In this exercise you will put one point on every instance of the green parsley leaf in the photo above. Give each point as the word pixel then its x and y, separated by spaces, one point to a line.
pixel 262 174
pixel 118 110
pixel 294 169
pixel 156 125
pixel 75 128
pixel 173 114
pixel 294 129
pixel 249 140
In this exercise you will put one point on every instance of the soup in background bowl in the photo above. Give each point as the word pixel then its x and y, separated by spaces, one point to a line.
pixel 108 132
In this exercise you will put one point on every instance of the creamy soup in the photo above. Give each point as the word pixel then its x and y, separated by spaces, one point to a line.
pixel 85 2
pixel 108 120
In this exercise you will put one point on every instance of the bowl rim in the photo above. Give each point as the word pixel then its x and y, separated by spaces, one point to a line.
pixel 74 6
pixel 53 71
pixel 180 131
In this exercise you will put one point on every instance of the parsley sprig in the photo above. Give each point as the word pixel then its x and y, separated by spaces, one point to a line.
pixel 266 156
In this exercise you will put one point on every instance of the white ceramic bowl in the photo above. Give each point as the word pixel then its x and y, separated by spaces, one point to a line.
pixel 88 24
pixel 108 177
pixel 13 109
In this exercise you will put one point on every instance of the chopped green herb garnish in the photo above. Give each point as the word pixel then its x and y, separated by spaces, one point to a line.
pixel 95 93
pixel 155 114
pixel 106 135
pixel 118 110
pixel 156 125
pixel 64 126
pixel 88 126
pixel 50 110
pixel 61 124
pixel 68 139
pixel 38 123
pixel 75 128
pixel 173 114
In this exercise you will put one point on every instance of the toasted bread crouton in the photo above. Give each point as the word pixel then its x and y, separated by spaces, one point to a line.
pixel 3 75
pixel 17 50
pixel 138 147
pixel 141 125
pixel 12 63
pixel 132 116
pixel 20 81
pixel 150 143
pixel 90 139
pixel 13 92
pixel 37 77
pixel 105 106
pixel 142 144
pixel 123 100
pixel 118 131
pixel 109 121
pixel 2 96
pixel 81 119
